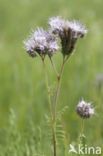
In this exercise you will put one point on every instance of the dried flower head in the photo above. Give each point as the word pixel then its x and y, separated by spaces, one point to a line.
pixel 68 31
pixel 84 109
pixel 41 42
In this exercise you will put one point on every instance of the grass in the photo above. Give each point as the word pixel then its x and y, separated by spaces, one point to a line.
pixel 22 83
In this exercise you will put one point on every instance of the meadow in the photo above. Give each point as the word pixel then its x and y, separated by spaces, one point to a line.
pixel 23 96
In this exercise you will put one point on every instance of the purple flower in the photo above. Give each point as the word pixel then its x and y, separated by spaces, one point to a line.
pixel 84 109
pixel 56 24
pixel 68 31
pixel 41 42
pixel 78 29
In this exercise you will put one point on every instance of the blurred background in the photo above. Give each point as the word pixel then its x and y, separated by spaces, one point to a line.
pixel 23 96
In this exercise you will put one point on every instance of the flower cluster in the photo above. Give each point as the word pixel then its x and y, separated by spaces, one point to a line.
pixel 45 42
pixel 68 31
pixel 41 42
pixel 84 109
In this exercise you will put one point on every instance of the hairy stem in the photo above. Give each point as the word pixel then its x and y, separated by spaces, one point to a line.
pixel 48 90
pixel 55 106
pixel 54 67
pixel 51 112
pixel 58 88
pixel 82 137
pixel 82 127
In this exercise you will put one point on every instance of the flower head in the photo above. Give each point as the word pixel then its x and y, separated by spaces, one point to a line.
pixel 56 24
pixel 41 42
pixel 78 29
pixel 68 31
pixel 29 46
pixel 84 109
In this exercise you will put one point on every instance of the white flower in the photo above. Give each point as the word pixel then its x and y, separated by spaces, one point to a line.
pixel 40 36
pixel 56 23
pixel 68 31
pixel 29 46
pixel 53 46
pixel 84 109
pixel 41 42
pixel 78 28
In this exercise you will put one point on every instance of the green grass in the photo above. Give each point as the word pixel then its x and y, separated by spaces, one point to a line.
pixel 22 82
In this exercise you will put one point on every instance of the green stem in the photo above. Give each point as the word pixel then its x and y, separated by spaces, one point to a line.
pixel 82 137
pixel 59 77
pixel 58 88
pixel 82 127
pixel 54 140
pixel 55 106
pixel 54 67
pixel 50 106
pixel 48 90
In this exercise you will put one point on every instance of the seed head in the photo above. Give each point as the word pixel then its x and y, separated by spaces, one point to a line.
pixel 84 109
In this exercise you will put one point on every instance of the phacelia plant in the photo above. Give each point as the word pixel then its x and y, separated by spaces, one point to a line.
pixel 62 35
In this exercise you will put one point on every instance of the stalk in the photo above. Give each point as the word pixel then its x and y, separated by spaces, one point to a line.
pixel 59 77
pixel 51 112
pixel 48 90
pixel 58 88
pixel 53 106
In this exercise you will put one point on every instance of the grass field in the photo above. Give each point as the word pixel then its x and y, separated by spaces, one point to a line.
pixel 23 98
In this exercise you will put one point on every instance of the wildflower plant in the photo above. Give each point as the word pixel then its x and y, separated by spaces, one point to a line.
pixel 62 35
pixel 85 110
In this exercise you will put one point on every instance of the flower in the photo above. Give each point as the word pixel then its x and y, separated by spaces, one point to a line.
pixel 84 109
pixel 56 24
pixel 29 46
pixel 78 29
pixel 41 42
pixel 68 31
